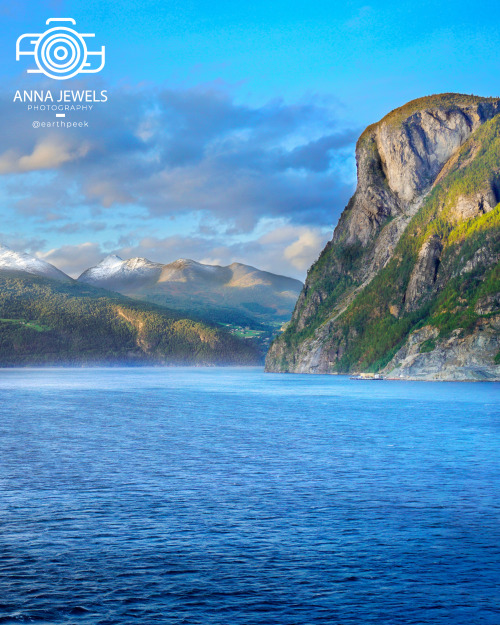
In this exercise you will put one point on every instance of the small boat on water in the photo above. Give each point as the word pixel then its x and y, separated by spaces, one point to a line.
pixel 367 376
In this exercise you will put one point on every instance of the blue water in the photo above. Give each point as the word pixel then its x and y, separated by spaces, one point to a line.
pixel 229 496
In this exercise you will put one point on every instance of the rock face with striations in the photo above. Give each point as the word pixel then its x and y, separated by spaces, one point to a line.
pixel 416 247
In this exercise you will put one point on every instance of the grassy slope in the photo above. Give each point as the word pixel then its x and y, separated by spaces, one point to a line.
pixel 367 329
pixel 44 321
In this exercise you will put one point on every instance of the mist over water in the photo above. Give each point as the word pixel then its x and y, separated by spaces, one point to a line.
pixel 230 496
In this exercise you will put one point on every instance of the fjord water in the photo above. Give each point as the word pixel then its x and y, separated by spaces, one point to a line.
pixel 230 496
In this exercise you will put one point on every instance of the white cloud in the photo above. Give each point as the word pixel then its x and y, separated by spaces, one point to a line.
pixel 181 151
pixel 49 153
pixel 305 250
pixel 108 193
pixel 283 249
pixel 73 259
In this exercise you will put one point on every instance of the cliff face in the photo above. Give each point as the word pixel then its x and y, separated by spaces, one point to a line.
pixel 416 248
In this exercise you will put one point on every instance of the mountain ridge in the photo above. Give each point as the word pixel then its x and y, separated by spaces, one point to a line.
pixel 237 294
pixel 114 262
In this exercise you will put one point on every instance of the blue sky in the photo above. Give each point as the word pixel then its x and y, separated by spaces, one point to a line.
pixel 230 128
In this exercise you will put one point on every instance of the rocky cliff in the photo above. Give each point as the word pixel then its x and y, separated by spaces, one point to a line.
pixel 409 283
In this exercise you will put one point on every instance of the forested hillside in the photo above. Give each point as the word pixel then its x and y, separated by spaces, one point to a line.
pixel 43 321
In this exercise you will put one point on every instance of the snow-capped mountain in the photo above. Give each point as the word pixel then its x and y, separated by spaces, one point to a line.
pixel 118 275
pixel 189 285
pixel 113 272
pixel 19 261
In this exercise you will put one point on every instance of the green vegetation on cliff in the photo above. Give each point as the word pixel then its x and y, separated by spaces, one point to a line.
pixel 366 326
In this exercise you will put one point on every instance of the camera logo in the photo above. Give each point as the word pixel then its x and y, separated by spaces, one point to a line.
pixel 60 52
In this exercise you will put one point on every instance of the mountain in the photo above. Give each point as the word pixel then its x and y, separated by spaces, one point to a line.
pixel 47 321
pixel 115 274
pixel 409 284
pixel 15 261
pixel 248 301
pixel 185 283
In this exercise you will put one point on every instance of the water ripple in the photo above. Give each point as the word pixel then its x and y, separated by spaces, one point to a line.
pixel 230 497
